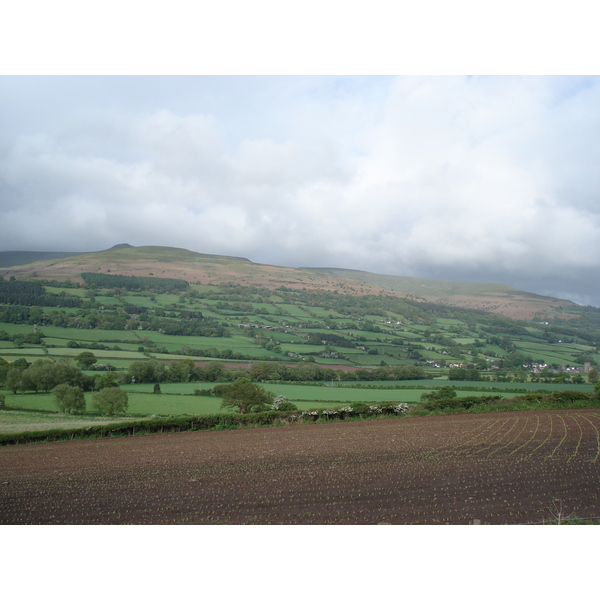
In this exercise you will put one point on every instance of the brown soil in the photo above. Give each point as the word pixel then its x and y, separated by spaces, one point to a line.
pixel 496 467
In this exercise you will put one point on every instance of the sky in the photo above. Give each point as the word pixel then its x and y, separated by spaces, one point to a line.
pixel 489 177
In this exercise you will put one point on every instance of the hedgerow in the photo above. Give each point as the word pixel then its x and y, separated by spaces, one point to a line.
pixel 202 423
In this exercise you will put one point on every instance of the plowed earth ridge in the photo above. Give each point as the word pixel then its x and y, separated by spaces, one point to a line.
pixel 499 468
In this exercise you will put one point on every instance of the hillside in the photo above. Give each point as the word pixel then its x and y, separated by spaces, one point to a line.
pixel 498 298
pixel 194 267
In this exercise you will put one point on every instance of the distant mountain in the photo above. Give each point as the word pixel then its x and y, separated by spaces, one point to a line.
pixel 12 258
pixel 162 261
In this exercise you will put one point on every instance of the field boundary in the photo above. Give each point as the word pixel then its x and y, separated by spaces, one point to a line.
pixel 186 423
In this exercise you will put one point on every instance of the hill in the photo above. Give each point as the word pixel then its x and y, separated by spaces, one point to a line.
pixel 491 297
pixel 194 267
pixel 13 258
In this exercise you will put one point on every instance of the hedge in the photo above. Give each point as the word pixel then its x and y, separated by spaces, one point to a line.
pixel 199 423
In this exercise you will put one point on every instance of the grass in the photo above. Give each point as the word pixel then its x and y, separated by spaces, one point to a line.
pixel 17 421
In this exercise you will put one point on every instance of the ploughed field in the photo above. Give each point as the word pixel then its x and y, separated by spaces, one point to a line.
pixel 514 467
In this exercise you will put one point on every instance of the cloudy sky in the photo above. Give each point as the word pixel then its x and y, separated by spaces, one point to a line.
pixel 474 178
pixel 489 178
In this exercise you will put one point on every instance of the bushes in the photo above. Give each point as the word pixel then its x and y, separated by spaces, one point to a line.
pixel 281 403
pixel 357 410
pixel 539 399
pixel 198 392
pixel 190 423
pixel 458 403
pixel 569 396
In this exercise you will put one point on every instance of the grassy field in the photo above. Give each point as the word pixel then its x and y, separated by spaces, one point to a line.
pixel 178 399
pixel 16 421
pixel 390 331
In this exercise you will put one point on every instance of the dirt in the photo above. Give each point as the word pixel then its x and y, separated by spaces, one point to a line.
pixel 496 467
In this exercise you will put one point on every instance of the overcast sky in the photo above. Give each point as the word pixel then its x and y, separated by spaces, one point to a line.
pixel 452 177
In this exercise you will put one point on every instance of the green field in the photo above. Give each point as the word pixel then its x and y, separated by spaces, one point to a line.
pixel 177 398
pixel 401 332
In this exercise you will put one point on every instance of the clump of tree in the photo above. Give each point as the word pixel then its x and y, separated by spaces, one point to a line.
pixel 69 399
pixel 462 374
pixel 44 375
pixel 160 285
pixel 244 396
pixel 111 400
pixel 32 293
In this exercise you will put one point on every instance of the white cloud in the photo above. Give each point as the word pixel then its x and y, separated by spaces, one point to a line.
pixel 449 175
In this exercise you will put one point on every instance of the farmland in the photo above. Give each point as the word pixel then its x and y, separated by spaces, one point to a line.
pixel 496 467
pixel 235 323
pixel 324 344
pixel 277 336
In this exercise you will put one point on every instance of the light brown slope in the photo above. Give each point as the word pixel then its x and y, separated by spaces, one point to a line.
pixel 159 261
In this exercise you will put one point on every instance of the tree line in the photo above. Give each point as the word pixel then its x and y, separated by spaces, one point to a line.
pixel 120 319
pixel 154 371
pixel 132 283
pixel 33 293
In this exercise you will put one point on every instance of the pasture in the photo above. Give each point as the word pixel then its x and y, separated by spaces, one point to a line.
pixel 179 398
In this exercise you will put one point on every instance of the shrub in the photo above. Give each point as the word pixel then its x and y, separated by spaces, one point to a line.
pixel 458 403
pixel 569 396
pixel 360 408
pixel 286 407
pixel 281 404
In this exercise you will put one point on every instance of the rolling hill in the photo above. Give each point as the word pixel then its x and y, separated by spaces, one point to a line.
pixel 194 267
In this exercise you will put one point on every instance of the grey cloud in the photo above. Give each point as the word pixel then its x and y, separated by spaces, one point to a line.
pixel 490 178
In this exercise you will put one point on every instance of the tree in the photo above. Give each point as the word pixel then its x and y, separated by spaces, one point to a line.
pixel 444 393
pixel 105 380
pixel 111 400
pixel 244 395
pixel 85 360
pixel 15 380
pixel 147 371
pixel 593 376
pixel 69 398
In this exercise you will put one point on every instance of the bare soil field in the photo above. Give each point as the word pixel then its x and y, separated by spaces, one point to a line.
pixel 500 468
